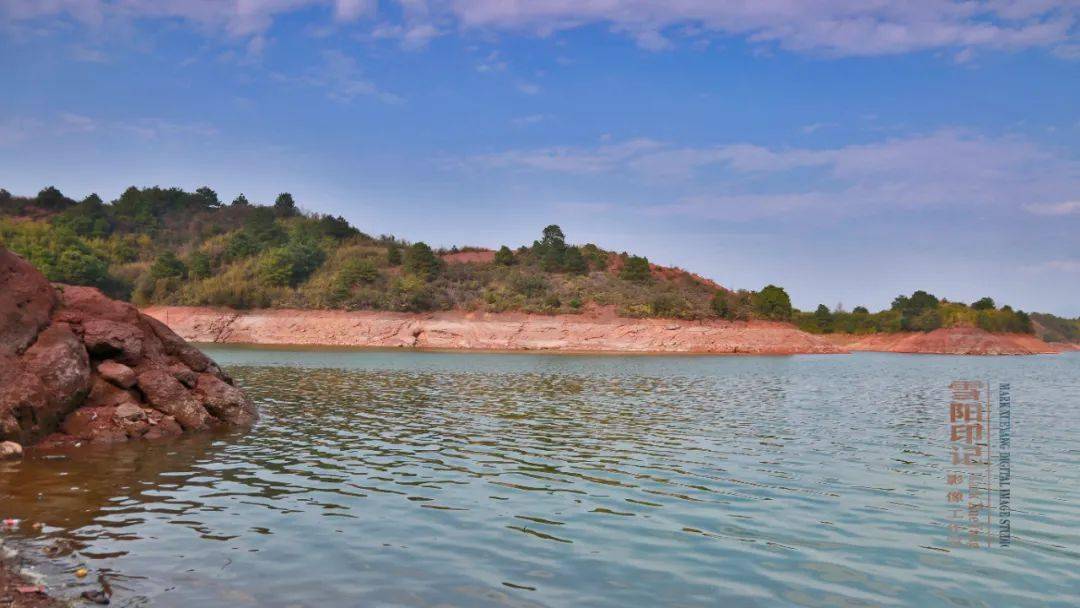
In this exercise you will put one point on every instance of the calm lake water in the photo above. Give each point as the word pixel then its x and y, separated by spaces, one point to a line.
pixel 426 479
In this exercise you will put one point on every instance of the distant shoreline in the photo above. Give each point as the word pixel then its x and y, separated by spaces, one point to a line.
pixel 571 334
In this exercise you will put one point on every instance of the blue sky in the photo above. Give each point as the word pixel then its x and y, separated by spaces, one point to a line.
pixel 848 150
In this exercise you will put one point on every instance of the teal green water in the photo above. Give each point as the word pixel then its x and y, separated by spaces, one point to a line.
pixel 423 479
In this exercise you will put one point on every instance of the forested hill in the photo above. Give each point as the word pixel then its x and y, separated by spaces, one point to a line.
pixel 169 246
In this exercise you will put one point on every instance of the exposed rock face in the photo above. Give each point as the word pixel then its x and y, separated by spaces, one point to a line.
pixel 490 331
pixel 78 366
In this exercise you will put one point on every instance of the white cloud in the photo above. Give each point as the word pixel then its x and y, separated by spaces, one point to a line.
pixel 569 159
pixel 1063 208
pixel 70 122
pixel 944 168
pixel 828 27
pixel 340 75
pixel 817 126
pixel 493 62
pixel 157 128
pixel 528 88
pixel 837 27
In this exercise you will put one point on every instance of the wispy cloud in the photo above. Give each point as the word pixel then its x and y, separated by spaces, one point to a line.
pixel 944 168
pixel 1064 265
pixel 836 27
pixel 528 88
pixel 493 62
pixel 825 27
pixel 70 124
pixel 812 128
pixel 343 80
pixel 158 128
pixel 1063 208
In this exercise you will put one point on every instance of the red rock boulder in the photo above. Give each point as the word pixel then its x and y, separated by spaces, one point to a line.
pixel 77 366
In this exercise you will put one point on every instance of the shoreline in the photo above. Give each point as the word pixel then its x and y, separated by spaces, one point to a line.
pixel 488 332
pixel 11 579
pixel 584 334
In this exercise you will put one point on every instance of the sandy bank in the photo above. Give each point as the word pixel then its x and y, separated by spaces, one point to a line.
pixel 949 341
pixel 488 331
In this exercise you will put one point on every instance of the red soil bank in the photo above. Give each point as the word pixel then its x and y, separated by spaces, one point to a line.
pixel 488 331
pixel 947 341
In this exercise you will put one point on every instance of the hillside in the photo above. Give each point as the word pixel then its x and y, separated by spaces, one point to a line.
pixel 169 247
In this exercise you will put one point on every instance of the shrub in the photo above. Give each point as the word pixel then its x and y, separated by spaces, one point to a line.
pixel 79 268
pixel 574 262
pixel 289 265
pixel 199 265
pixel 393 255
pixel 504 257
pixel 421 261
pixel 636 269
pixel 167 265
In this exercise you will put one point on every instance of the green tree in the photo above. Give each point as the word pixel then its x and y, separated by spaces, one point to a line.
pixel 285 206
pixel 914 311
pixel 636 269
pixel 984 304
pixel 773 303
pixel 823 319
pixel 504 257
pixel 241 201
pixel 421 261
pixel 52 199
pixel 553 237
pixel 207 198
pixel 860 310
pixel 167 265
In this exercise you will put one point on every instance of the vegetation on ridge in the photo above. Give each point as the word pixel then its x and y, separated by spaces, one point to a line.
pixel 169 246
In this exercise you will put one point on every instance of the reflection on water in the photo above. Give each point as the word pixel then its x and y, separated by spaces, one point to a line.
pixel 417 479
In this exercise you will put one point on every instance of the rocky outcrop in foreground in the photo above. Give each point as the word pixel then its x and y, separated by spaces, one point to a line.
pixel 77 366
pixel 602 332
